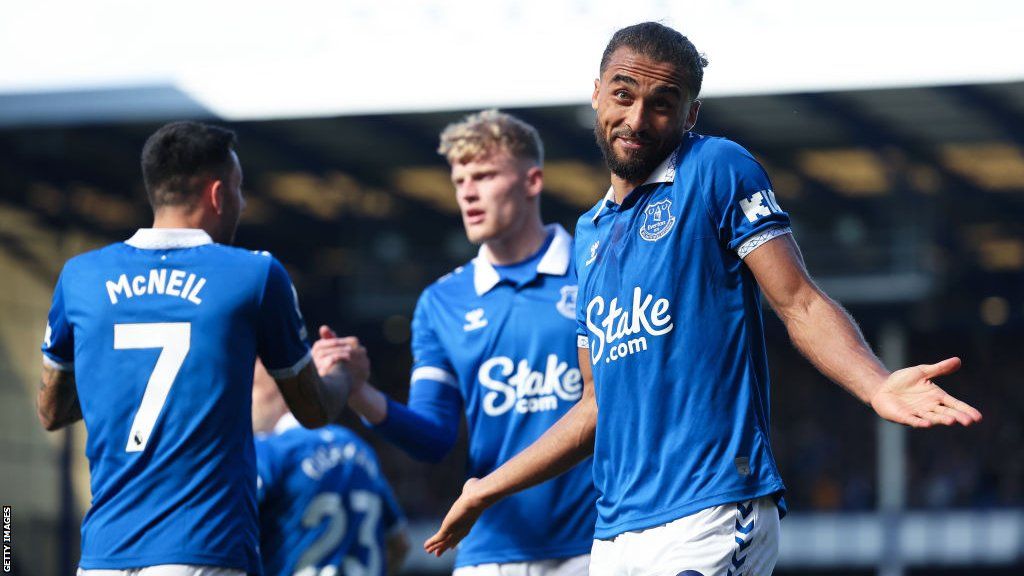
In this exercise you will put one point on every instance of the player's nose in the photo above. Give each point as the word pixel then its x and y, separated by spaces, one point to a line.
pixel 467 193
pixel 636 117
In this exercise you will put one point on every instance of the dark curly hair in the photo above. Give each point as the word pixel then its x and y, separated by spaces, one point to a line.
pixel 663 44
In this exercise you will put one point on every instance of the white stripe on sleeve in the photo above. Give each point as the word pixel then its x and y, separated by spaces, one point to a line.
pixel 435 374
pixel 60 366
pixel 754 242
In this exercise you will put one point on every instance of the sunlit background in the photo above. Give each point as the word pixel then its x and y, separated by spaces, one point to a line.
pixel 893 132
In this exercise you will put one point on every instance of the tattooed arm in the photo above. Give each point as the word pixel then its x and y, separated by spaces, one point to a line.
pixel 57 401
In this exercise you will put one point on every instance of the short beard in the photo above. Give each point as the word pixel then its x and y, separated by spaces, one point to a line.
pixel 635 167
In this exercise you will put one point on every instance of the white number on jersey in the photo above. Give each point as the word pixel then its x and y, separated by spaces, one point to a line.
pixel 328 506
pixel 368 502
pixel 173 339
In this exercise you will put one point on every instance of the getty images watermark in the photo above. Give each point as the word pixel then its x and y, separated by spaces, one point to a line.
pixel 8 542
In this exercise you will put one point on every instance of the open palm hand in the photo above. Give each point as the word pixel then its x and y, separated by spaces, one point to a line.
pixel 909 396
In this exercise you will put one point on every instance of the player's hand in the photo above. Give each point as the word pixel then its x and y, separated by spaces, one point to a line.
pixel 327 353
pixel 458 521
pixel 358 361
pixel 910 397
pixel 331 353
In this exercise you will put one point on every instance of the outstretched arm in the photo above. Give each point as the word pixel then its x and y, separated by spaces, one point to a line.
pixel 567 443
pixel 427 428
pixel 57 401
pixel 829 338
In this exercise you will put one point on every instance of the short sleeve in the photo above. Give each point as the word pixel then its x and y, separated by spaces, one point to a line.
pixel 430 359
pixel 741 199
pixel 282 331
pixel 59 339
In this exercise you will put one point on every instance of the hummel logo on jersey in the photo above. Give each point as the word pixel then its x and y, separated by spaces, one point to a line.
pixel 759 204
pixel 475 320
pixel 516 384
pixel 646 314
pixel 47 339
pixel 593 253
pixel 658 220
pixel 567 305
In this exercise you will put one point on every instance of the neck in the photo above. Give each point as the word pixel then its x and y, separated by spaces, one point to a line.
pixel 183 217
pixel 177 217
pixel 621 187
pixel 518 245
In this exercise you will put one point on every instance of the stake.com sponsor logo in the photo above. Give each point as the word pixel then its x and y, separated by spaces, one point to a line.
pixel 613 326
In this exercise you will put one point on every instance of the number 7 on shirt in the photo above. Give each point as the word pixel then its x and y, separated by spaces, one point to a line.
pixel 173 339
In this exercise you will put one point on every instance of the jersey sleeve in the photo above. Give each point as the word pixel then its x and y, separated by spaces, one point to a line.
pixel 741 199
pixel 282 332
pixel 429 357
pixel 429 426
pixel 59 339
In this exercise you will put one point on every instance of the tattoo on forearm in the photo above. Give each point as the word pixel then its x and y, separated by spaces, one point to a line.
pixel 58 399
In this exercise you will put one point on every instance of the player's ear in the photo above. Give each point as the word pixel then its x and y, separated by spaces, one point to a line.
pixel 214 193
pixel 593 97
pixel 691 116
pixel 534 181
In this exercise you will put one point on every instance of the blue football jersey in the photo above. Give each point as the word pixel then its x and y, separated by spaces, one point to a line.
pixel 325 507
pixel 509 349
pixel 672 320
pixel 162 332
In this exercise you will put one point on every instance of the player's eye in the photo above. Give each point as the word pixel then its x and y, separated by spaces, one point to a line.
pixel 662 104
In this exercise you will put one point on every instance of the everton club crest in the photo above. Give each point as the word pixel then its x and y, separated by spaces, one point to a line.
pixel 567 305
pixel 658 220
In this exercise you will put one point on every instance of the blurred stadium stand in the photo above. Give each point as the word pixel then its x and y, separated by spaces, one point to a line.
pixel 908 204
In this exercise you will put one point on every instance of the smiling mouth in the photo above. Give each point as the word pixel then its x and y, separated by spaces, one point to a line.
pixel 632 143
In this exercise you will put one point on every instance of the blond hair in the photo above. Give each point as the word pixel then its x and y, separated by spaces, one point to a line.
pixel 479 135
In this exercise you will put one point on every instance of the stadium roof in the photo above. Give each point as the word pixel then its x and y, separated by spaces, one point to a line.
pixel 891 190
pixel 314 58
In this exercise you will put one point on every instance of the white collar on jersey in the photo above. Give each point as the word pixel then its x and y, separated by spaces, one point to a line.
pixel 555 261
pixel 168 238
pixel 286 423
pixel 665 173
